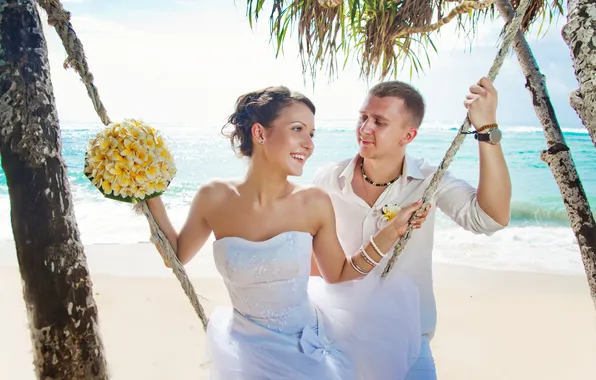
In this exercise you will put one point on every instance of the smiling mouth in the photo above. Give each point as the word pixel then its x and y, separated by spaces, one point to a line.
pixel 299 157
pixel 365 142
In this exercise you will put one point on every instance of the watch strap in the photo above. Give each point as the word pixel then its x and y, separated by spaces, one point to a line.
pixel 493 136
pixel 482 137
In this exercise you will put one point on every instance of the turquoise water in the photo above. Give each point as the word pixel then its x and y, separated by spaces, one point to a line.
pixel 204 154
pixel 539 219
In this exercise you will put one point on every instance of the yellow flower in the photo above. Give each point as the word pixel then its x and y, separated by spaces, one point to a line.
pixel 160 186
pixel 136 132
pixel 127 192
pixel 149 130
pixel 106 186
pixel 140 156
pixel 118 170
pixel 140 193
pixel 96 178
pixel 151 157
pixel 117 157
pixel 104 145
pixel 109 177
pixel 116 188
pixel 140 177
pixel 150 187
pixel 125 181
pixel 128 148
pixel 150 142
pixel 390 211
pixel 152 171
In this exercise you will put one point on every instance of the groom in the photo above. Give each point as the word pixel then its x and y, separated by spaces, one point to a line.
pixel 383 174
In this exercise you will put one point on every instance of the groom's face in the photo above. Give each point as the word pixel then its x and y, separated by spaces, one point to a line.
pixel 384 128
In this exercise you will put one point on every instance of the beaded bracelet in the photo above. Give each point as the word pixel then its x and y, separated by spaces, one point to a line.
pixel 488 126
pixel 372 241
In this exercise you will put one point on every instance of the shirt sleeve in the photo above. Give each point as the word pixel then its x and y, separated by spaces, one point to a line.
pixel 458 200
pixel 318 178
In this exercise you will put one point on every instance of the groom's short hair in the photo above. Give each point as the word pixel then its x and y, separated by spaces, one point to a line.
pixel 411 97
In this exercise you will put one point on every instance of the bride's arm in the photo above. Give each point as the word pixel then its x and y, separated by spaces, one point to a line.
pixel 195 231
pixel 314 268
pixel 331 260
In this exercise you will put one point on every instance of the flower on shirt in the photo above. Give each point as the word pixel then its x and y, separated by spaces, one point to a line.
pixel 390 211
pixel 387 213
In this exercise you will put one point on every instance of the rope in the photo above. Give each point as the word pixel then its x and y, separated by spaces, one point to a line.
pixel 171 260
pixel 511 28
pixel 59 18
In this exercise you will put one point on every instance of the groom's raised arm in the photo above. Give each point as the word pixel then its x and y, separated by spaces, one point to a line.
pixel 487 209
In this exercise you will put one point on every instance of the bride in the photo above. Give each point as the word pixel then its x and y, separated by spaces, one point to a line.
pixel 266 228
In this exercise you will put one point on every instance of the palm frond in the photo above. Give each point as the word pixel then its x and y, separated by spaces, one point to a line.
pixel 385 36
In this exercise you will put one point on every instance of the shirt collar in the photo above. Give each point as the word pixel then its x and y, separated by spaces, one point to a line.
pixel 412 168
pixel 348 173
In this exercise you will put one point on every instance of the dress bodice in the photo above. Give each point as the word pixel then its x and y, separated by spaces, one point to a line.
pixel 268 280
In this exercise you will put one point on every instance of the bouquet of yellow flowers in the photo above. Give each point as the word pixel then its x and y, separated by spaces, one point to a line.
pixel 129 162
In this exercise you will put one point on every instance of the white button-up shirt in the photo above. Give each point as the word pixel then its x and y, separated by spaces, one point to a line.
pixel 357 221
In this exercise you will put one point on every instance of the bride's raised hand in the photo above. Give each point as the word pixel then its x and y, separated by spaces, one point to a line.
pixel 402 220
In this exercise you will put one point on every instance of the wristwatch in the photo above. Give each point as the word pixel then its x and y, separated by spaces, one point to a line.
pixel 493 136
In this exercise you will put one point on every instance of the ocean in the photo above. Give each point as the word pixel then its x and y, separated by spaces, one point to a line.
pixel 538 238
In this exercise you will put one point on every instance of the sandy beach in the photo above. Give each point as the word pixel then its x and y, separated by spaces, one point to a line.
pixel 492 324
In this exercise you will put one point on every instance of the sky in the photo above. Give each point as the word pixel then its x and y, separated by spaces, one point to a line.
pixel 184 62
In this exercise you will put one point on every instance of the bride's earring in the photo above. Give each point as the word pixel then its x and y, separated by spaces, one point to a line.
pixel 261 141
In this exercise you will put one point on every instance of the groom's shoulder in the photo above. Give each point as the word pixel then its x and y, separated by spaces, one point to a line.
pixel 328 175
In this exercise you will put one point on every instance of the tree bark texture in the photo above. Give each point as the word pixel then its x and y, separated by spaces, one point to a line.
pixel 557 155
pixel 56 286
pixel 580 35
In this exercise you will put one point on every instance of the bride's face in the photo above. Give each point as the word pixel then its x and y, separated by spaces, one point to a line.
pixel 289 141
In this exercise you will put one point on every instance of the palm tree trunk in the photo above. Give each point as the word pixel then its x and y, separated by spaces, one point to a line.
pixel 557 156
pixel 56 284
pixel 580 35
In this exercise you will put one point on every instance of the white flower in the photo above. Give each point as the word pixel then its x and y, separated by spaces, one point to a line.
pixel 390 211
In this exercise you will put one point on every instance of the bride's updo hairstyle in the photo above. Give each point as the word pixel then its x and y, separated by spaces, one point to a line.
pixel 263 107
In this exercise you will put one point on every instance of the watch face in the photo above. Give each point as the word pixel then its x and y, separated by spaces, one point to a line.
pixel 495 136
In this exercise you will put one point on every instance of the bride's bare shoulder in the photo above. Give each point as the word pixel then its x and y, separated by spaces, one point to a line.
pixel 312 195
pixel 217 191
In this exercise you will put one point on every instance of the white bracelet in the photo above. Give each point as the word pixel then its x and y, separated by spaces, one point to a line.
pixel 356 267
pixel 367 258
pixel 372 241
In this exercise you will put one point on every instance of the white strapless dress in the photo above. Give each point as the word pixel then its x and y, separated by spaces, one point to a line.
pixel 283 324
